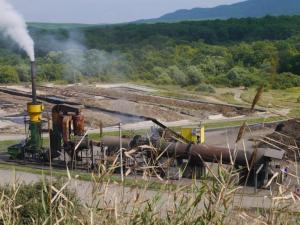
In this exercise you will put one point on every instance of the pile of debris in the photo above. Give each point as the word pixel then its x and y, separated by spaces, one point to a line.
pixel 287 137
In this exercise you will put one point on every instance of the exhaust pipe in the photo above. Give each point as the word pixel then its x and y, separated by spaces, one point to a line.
pixel 33 82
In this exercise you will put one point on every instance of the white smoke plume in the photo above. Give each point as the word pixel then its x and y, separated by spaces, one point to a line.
pixel 13 25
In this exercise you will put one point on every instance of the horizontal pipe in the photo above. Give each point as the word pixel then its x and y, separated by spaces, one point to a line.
pixel 195 152
pixel 208 153
pixel 114 142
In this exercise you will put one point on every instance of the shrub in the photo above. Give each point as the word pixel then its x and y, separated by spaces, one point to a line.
pixel 239 76
pixel 164 79
pixel 177 75
pixel 8 74
pixel 286 80
pixel 194 75
pixel 205 88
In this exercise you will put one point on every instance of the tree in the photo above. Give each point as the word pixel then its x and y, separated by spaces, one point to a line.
pixel 194 75
pixel 294 64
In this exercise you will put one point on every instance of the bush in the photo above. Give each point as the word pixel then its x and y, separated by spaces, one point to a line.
pixel 205 88
pixel 32 203
pixel 194 75
pixel 164 79
pixel 177 75
pixel 239 76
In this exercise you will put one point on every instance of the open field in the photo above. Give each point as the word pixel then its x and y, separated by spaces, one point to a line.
pixel 111 104
pixel 285 102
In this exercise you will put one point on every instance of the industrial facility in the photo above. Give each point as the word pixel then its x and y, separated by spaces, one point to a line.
pixel 161 152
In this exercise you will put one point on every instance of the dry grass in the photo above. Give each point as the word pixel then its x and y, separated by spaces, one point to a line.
pixel 216 199
pixel 211 201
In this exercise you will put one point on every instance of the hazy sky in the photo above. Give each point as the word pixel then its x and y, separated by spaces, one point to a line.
pixel 104 11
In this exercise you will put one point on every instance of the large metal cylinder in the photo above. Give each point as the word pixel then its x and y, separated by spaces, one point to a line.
pixel 114 142
pixel 78 125
pixel 66 128
pixel 207 153
pixel 35 142
pixel 197 153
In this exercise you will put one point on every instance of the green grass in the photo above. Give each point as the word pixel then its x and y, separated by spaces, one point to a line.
pixel 295 113
pixel 228 97
pixel 278 99
pixel 5 144
pixel 250 121
pixel 275 98
pixel 208 125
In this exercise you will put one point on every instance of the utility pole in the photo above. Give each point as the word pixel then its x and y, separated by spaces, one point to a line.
pixel 121 152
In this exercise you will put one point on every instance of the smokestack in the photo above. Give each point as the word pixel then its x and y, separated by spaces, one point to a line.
pixel 33 84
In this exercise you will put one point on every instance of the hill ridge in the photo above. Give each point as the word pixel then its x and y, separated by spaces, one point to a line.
pixel 249 8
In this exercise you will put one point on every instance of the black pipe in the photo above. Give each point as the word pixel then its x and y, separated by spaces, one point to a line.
pixel 33 83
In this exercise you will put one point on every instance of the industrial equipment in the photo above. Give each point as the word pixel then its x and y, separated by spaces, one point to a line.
pixel 195 135
pixel 192 158
pixel 162 150
pixel 32 147
pixel 68 135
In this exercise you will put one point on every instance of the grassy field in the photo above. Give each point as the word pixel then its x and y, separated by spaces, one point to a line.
pixel 229 98
pixel 278 99
pixel 285 102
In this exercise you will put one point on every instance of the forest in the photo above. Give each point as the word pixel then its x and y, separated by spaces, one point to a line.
pixel 197 54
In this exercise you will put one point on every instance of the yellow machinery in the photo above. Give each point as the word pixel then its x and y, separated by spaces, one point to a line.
pixel 35 111
pixel 34 144
pixel 194 134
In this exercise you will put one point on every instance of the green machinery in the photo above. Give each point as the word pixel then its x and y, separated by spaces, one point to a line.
pixel 32 147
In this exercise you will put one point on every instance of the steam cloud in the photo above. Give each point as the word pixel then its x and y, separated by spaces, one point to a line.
pixel 13 25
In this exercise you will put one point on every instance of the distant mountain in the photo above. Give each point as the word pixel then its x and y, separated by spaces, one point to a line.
pixel 250 8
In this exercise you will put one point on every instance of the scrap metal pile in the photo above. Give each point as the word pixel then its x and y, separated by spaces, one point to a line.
pixel 162 154
pixel 285 137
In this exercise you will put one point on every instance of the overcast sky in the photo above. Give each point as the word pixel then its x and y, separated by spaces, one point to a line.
pixel 104 11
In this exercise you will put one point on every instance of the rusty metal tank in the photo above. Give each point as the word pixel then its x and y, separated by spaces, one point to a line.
pixel 78 125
